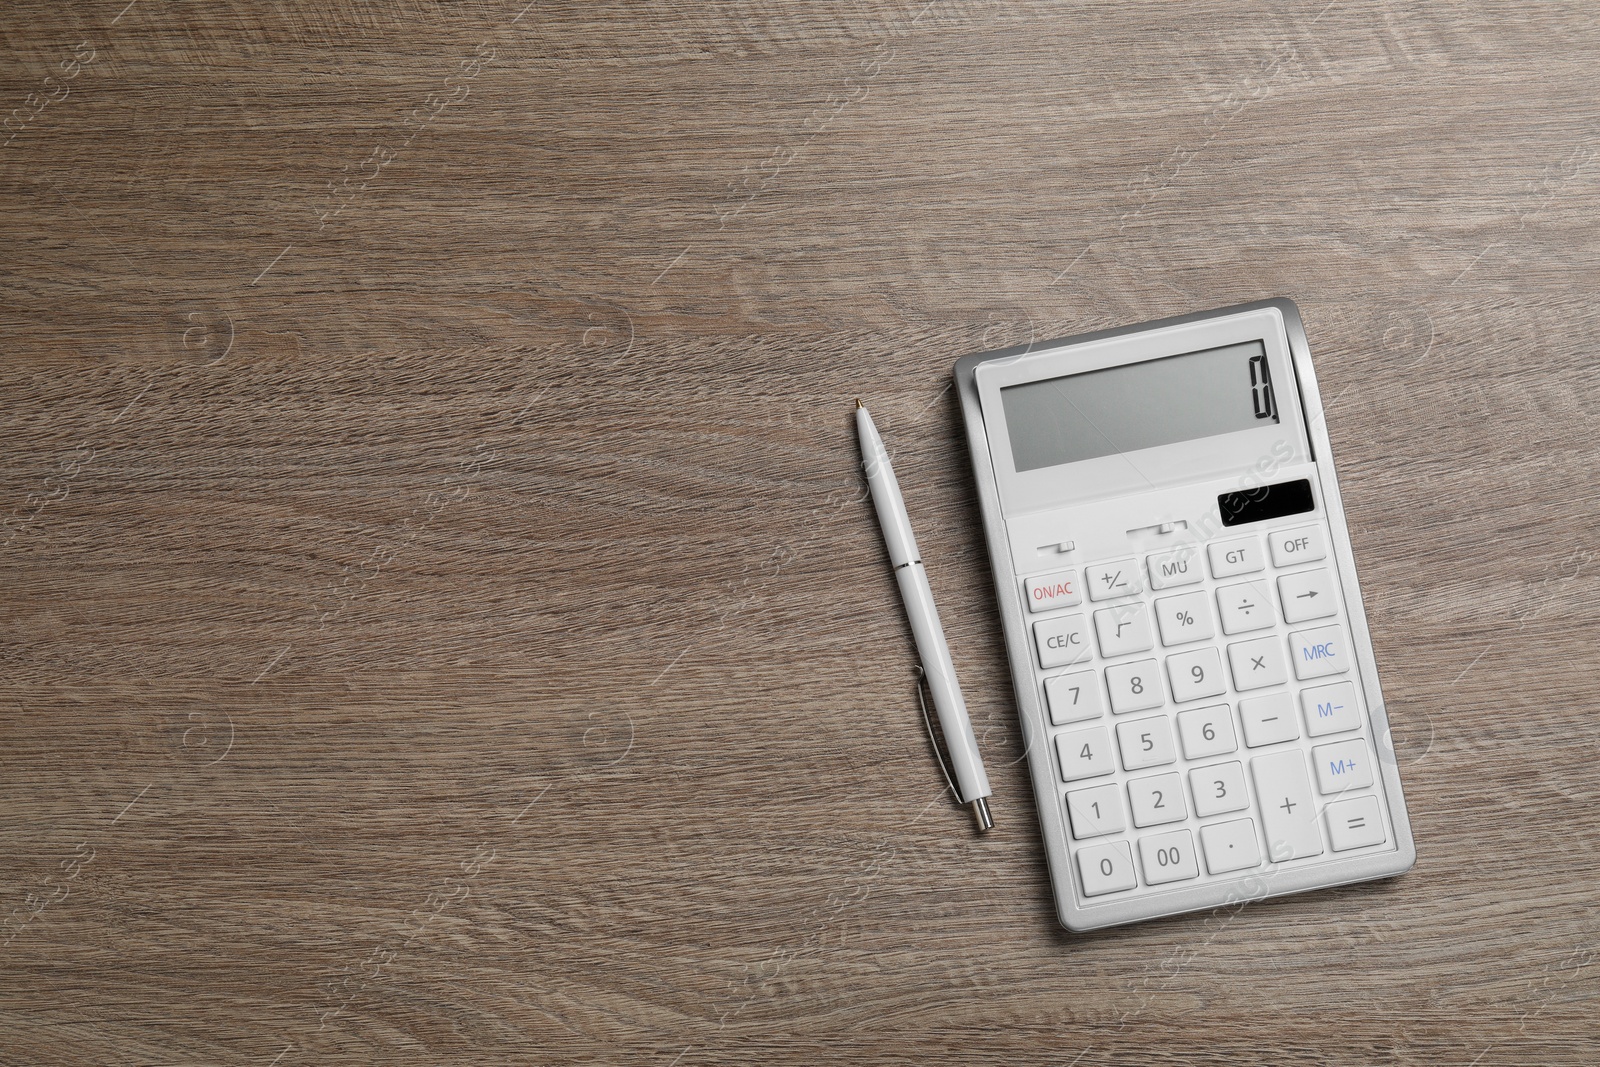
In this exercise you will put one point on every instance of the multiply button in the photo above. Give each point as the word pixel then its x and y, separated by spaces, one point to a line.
pixel 1061 641
pixel 1301 545
pixel 1257 664
pixel 1051 591
pixel 1107 581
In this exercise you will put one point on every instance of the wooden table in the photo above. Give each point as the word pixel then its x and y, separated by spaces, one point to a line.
pixel 442 621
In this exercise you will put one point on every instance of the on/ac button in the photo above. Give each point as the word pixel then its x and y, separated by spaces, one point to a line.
pixel 1059 590
pixel 1301 545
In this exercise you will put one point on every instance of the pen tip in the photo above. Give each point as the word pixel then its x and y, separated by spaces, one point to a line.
pixel 980 815
pixel 859 404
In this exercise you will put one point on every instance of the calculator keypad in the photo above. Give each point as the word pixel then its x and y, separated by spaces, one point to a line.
pixel 1209 724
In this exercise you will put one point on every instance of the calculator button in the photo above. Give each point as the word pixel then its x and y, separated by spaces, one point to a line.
pixel 1073 697
pixel 1330 709
pixel 1196 674
pixel 1096 812
pixel 1245 607
pixel 1061 642
pixel 1178 567
pixel 1084 754
pixel 1218 789
pixel 1124 629
pixel 1168 857
pixel 1157 799
pixel 1342 765
pixel 1354 823
pixel 1268 719
pixel 1230 846
pixel 1305 544
pixel 1106 868
pixel 1257 663
pixel 1307 595
pixel 1184 618
pixel 1206 731
pixel 1288 813
pixel 1107 581
pixel 1318 653
pixel 1146 743
pixel 1051 591
pixel 1242 556
pixel 1134 686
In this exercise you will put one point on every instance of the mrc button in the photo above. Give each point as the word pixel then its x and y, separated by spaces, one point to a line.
pixel 1301 545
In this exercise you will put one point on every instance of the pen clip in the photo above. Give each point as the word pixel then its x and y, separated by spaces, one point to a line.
pixel 938 754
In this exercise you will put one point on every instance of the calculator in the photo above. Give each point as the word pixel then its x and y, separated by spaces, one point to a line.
pixel 1190 656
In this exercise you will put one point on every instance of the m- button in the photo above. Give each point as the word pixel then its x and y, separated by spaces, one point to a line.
pixel 1302 545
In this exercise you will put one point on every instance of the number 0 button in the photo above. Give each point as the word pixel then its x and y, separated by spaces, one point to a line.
pixel 1106 868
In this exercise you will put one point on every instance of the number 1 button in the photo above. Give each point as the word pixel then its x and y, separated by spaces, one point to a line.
pixel 1106 868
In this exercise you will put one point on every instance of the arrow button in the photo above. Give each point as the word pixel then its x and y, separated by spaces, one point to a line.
pixel 1307 595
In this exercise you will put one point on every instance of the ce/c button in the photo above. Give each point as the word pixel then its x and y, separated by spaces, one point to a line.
pixel 1060 642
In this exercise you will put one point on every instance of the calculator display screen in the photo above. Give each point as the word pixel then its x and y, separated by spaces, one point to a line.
pixel 1139 405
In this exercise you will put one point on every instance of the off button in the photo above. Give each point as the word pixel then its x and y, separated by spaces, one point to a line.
pixel 1303 545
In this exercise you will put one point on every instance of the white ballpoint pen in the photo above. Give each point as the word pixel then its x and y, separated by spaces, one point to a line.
pixel 972 784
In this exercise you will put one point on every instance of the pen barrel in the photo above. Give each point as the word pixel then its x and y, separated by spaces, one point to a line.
pixel 886 498
pixel 967 765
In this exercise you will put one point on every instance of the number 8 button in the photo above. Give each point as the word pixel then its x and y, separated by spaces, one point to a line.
pixel 1134 686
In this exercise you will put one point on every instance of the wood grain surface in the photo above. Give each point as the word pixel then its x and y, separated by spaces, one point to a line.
pixel 442 621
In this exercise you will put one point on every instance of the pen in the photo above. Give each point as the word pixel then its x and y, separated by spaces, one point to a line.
pixel 972 784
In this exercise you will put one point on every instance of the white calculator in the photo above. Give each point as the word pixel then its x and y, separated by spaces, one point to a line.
pixel 1191 659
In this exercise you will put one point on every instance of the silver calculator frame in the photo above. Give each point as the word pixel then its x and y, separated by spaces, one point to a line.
pixel 1249 885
